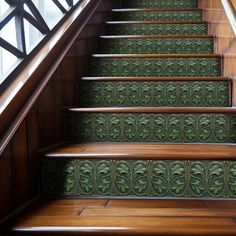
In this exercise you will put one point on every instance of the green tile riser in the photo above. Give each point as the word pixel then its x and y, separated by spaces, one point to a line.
pixel 162 4
pixel 157 29
pixel 157 46
pixel 95 94
pixel 155 67
pixel 158 16
pixel 139 178
pixel 160 128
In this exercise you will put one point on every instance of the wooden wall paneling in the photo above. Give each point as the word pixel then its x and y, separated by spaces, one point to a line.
pixel 68 72
pixel 32 143
pixel 20 166
pixel 6 182
pixel 58 123
pixel 46 116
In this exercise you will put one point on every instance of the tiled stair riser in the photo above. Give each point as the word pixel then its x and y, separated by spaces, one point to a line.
pixel 139 178
pixel 151 94
pixel 155 67
pixel 158 16
pixel 180 4
pixel 157 46
pixel 151 127
pixel 157 29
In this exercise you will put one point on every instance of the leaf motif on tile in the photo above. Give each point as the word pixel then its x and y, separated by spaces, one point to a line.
pixel 86 177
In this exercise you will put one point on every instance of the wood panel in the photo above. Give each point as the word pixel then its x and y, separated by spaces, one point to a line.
pixel 43 125
pixel 6 184
pixel 226 39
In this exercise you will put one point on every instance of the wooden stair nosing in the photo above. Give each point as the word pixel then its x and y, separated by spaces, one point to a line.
pixel 141 151
pixel 155 22
pixel 230 110
pixel 156 212
pixel 156 36
pixel 154 9
pixel 157 55
pixel 104 79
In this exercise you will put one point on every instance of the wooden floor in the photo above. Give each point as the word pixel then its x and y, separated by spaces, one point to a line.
pixel 128 217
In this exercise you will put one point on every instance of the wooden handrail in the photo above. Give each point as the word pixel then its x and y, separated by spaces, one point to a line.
pixel 27 84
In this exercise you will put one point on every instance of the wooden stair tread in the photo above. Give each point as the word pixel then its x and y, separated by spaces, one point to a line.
pixel 154 36
pixel 156 55
pixel 157 212
pixel 95 150
pixel 154 9
pixel 155 78
pixel 172 218
pixel 153 109
pixel 155 22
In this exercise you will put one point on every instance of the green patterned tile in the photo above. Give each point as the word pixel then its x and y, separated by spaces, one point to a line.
pixel 153 94
pixel 157 29
pixel 157 46
pixel 167 4
pixel 148 67
pixel 139 178
pixel 158 16
pixel 162 128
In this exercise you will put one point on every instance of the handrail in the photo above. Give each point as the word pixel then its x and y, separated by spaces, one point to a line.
pixel 62 36
pixel 230 12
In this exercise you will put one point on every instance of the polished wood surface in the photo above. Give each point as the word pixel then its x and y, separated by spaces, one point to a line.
pixel 143 151
pixel 126 217
pixel 156 22
pixel 155 79
pixel 153 36
pixel 152 9
pixel 157 55
pixel 155 109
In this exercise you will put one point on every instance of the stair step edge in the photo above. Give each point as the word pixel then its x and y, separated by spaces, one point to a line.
pixel 155 9
pixel 156 22
pixel 144 151
pixel 230 110
pixel 156 36
pixel 157 55
pixel 155 79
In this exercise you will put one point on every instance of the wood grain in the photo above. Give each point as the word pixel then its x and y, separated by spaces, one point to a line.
pixel 144 151
pixel 126 217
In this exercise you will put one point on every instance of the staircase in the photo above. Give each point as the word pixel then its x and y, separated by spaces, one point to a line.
pixel 153 121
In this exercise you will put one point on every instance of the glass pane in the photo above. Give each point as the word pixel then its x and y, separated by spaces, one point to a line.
pixel 7 60
pixel 75 1
pixel 3 7
pixel 64 4
pixel 28 10
pixel 32 36
pixel 49 11
pixel 8 32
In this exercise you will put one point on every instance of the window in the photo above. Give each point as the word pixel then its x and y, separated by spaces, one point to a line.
pixel 23 24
